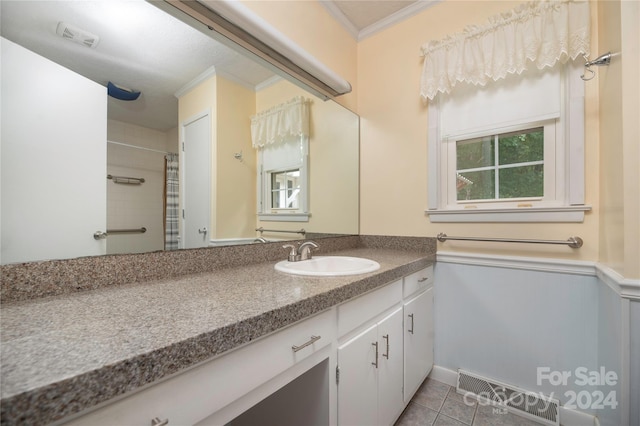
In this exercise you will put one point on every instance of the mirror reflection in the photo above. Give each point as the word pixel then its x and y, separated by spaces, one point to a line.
pixel 184 172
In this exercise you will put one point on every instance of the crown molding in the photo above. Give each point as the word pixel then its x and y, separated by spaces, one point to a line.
pixel 342 19
pixel 380 25
pixel 268 82
pixel 401 15
pixel 205 75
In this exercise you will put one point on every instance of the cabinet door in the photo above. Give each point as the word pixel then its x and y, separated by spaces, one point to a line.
pixel 390 363
pixel 418 341
pixel 358 385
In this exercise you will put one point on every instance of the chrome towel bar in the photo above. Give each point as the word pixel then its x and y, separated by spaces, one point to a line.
pixel 573 242
pixel 261 230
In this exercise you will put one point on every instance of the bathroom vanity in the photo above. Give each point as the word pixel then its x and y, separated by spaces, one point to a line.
pixel 206 348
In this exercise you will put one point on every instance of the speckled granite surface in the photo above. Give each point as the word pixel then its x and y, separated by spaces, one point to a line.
pixel 63 354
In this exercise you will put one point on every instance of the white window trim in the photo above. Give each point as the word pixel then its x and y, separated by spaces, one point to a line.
pixel 570 163
pixel 301 214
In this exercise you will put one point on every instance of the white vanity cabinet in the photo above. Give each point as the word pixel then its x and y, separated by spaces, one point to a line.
pixel 418 329
pixel 370 378
pixel 380 346
pixel 418 335
pixel 385 350
pixel 370 360
pixel 216 391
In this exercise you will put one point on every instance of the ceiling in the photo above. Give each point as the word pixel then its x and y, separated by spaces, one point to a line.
pixel 140 47
pixel 144 49
pixel 363 18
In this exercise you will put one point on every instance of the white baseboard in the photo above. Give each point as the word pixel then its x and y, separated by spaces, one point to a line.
pixel 576 418
pixel 567 417
pixel 444 375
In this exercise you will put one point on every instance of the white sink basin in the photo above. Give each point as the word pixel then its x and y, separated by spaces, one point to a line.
pixel 328 266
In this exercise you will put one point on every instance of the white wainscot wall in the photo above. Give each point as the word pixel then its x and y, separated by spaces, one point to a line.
pixel 505 318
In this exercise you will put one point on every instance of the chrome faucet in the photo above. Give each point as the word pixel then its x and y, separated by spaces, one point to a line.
pixel 303 252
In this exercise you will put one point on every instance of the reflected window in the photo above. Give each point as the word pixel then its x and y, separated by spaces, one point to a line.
pixel 285 189
pixel 283 181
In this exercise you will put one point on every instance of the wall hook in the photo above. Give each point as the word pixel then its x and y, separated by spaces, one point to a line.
pixel 599 61
pixel 238 156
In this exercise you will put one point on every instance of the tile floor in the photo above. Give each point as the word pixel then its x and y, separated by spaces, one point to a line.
pixel 438 404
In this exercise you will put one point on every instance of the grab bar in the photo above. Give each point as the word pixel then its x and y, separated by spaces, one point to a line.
pixel 573 242
pixel 126 180
pixel 127 231
pixel 261 230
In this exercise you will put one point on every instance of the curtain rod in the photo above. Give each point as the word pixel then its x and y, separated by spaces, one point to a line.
pixel 140 147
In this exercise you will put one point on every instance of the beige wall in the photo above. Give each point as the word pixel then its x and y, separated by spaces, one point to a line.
pixel 310 26
pixel 236 213
pixel 386 75
pixel 619 137
pixel 333 163
pixel 394 139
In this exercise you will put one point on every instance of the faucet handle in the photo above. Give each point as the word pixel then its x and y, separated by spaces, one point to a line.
pixel 293 253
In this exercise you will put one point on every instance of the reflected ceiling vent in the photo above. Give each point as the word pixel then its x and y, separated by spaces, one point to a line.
pixel 77 35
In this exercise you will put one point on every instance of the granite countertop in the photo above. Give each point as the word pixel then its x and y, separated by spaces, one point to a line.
pixel 63 354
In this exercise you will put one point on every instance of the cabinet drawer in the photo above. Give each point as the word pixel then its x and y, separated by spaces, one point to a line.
pixel 418 281
pixel 356 312
pixel 191 396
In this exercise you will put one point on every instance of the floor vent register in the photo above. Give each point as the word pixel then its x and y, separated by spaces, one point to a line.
pixel 532 405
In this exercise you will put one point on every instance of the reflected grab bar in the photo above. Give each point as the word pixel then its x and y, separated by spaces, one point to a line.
pixel 126 180
pixel 127 231
pixel 99 235
pixel 261 230
pixel 573 242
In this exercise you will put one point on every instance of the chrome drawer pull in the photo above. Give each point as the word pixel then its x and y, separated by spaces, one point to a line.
pixel 421 280
pixel 375 363
pixel 386 337
pixel 411 329
pixel 304 345
pixel 158 422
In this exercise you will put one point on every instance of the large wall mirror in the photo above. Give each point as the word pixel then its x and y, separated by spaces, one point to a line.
pixel 78 159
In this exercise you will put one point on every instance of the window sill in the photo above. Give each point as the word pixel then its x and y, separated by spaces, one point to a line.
pixel 284 217
pixel 529 214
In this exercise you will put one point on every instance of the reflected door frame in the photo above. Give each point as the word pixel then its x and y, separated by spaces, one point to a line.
pixel 195 187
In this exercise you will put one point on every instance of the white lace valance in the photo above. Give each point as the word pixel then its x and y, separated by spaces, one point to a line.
pixel 280 122
pixel 541 32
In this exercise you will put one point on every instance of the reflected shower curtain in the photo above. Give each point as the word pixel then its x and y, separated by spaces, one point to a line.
pixel 171 203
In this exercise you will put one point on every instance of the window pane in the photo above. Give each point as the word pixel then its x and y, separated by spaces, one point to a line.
pixel 474 153
pixel 521 147
pixel 285 189
pixel 516 182
pixel 476 185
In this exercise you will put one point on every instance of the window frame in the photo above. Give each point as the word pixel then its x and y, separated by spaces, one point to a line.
pixel 552 185
pixel 566 204
pixel 265 211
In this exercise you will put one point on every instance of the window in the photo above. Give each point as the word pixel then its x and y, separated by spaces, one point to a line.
pixel 510 165
pixel 511 152
pixel 283 181
pixel 285 190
